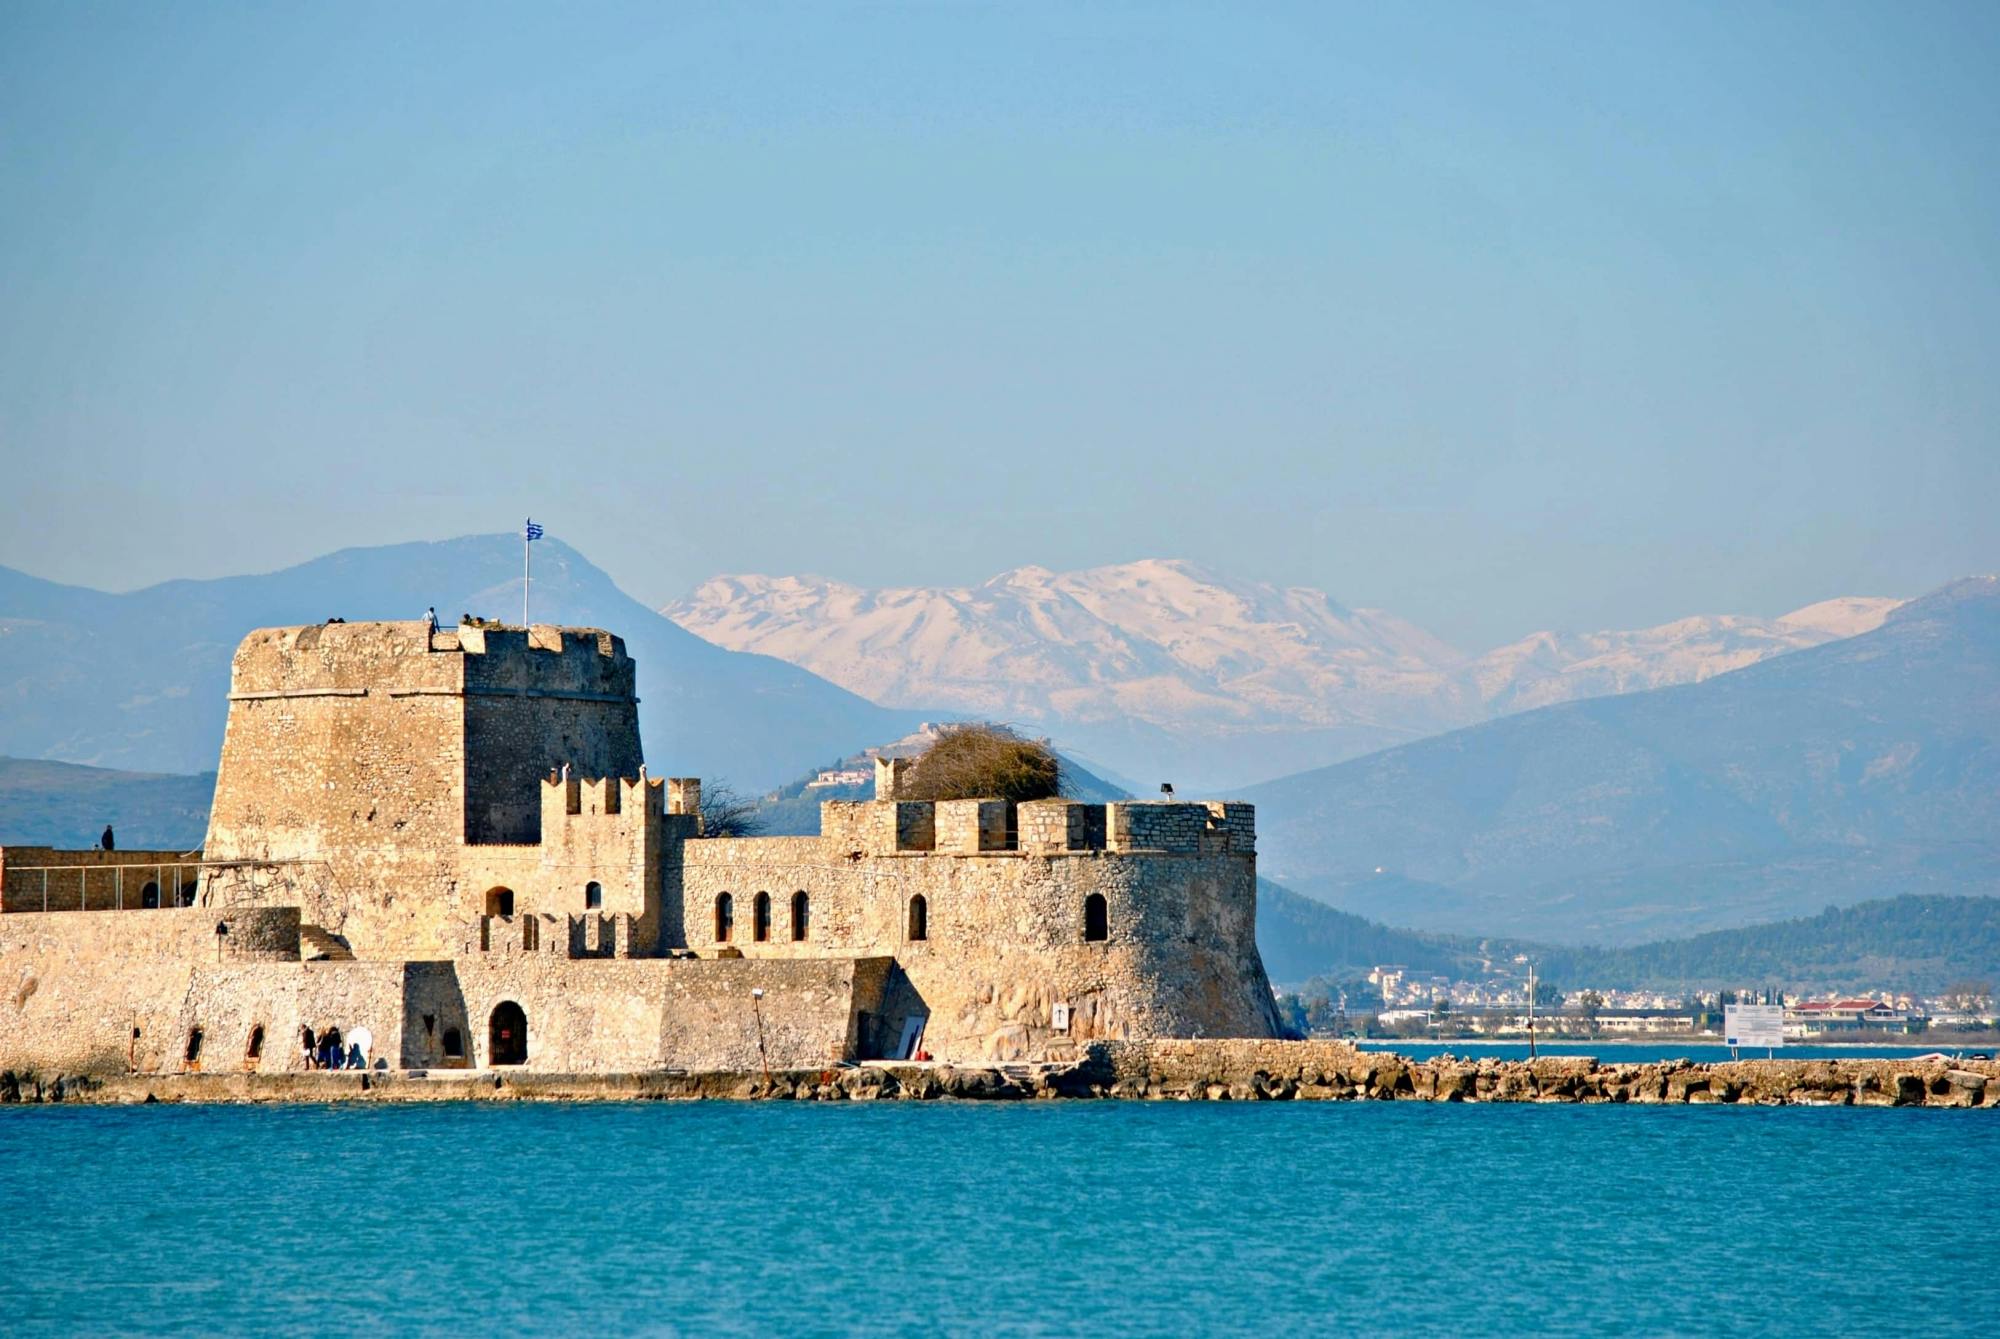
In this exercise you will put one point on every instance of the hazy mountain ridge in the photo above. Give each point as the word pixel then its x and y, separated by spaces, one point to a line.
pixel 1162 666
pixel 140 680
pixel 1902 943
pixel 67 805
pixel 1857 769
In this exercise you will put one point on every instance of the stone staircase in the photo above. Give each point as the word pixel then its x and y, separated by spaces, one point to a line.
pixel 316 945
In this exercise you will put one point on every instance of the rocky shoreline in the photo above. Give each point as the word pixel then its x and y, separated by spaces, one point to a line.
pixel 1207 1070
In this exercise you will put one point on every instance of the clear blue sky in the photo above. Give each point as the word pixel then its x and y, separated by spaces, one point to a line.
pixel 1497 316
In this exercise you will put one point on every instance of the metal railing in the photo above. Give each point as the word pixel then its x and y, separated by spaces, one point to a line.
pixel 30 884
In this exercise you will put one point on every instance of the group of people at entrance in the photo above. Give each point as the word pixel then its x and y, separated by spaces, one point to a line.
pixel 328 1051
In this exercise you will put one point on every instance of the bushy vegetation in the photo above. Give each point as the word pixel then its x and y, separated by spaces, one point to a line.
pixel 984 761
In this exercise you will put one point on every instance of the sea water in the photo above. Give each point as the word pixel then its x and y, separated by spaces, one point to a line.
pixel 1110 1218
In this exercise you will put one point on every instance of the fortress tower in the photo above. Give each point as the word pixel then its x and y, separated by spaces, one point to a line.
pixel 360 759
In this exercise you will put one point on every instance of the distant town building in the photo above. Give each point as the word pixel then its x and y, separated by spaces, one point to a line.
pixel 841 776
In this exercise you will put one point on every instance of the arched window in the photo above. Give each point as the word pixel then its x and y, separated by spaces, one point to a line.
pixel 1096 918
pixel 149 896
pixel 593 895
pixel 499 901
pixel 920 918
pixel 760 918
pixel 255 1050
pixel 801 915
pixel 454 1044
pixel 725 917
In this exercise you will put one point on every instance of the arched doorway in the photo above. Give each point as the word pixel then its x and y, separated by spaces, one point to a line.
pixel 920 918
pixel 507 1035
pixel 760 918
pixel 499 901
pixel 149 896
pixel 801 916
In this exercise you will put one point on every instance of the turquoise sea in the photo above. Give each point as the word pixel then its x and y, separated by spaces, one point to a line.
pixel 973 1219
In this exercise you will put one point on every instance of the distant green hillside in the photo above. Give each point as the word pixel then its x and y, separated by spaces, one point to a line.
pixel 1922 943
pixel 62 804
pixel 1916 943
pixel 1300 939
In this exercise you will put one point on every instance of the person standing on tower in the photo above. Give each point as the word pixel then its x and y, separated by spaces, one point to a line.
pixel 107 842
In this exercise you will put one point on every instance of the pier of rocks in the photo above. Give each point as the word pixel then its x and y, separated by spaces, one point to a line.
pixel 1200 1070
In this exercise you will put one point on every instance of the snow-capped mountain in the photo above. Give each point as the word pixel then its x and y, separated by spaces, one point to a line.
pixel 1161 665
pixel 1545 668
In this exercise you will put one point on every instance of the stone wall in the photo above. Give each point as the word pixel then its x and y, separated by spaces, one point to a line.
pixel 74 986
pixel 359 758
pixel 1005 942
pixel 104 993
pixel 41 878
pixel 535 699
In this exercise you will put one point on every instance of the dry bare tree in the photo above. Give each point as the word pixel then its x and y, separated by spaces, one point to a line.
pixel 726 813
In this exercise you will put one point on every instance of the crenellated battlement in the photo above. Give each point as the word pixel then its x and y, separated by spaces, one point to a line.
pixel 1040 827
pixel 567 797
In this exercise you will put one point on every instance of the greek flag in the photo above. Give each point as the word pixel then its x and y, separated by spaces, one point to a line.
pixel 531 531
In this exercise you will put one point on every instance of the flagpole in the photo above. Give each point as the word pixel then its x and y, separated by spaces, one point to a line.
pixel 527 569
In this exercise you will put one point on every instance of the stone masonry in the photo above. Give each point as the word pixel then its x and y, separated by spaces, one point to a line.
pixel 449 840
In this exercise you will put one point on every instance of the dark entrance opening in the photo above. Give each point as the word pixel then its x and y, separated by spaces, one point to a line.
pixel 149 896
pixel 920 918
pixel 500 901
pixel 1096 918
pixel 801 915
pixel 507 1041
pixel 760 918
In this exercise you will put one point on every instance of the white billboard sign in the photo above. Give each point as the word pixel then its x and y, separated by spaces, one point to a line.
pixel 1754 1024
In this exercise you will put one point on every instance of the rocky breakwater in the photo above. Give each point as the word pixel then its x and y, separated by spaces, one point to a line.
pixel 1329 1071
pixel 1185 1071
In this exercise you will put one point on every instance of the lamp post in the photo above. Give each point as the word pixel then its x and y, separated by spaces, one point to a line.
pixel 763 1056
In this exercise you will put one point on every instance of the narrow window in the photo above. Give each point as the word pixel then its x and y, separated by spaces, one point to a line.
pixel 255 1051
pixel 920 918
pixel 149 896
pixel 801 915
pixel 760 918
pixel 725 917
pixel 1096 918
pixel 593 895
pixel 194 1046
pixel 454 1044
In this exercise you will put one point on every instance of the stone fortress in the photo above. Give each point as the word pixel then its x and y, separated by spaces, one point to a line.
pixel 448 838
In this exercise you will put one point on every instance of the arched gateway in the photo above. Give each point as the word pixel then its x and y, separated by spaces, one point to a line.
pixel 507 1035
